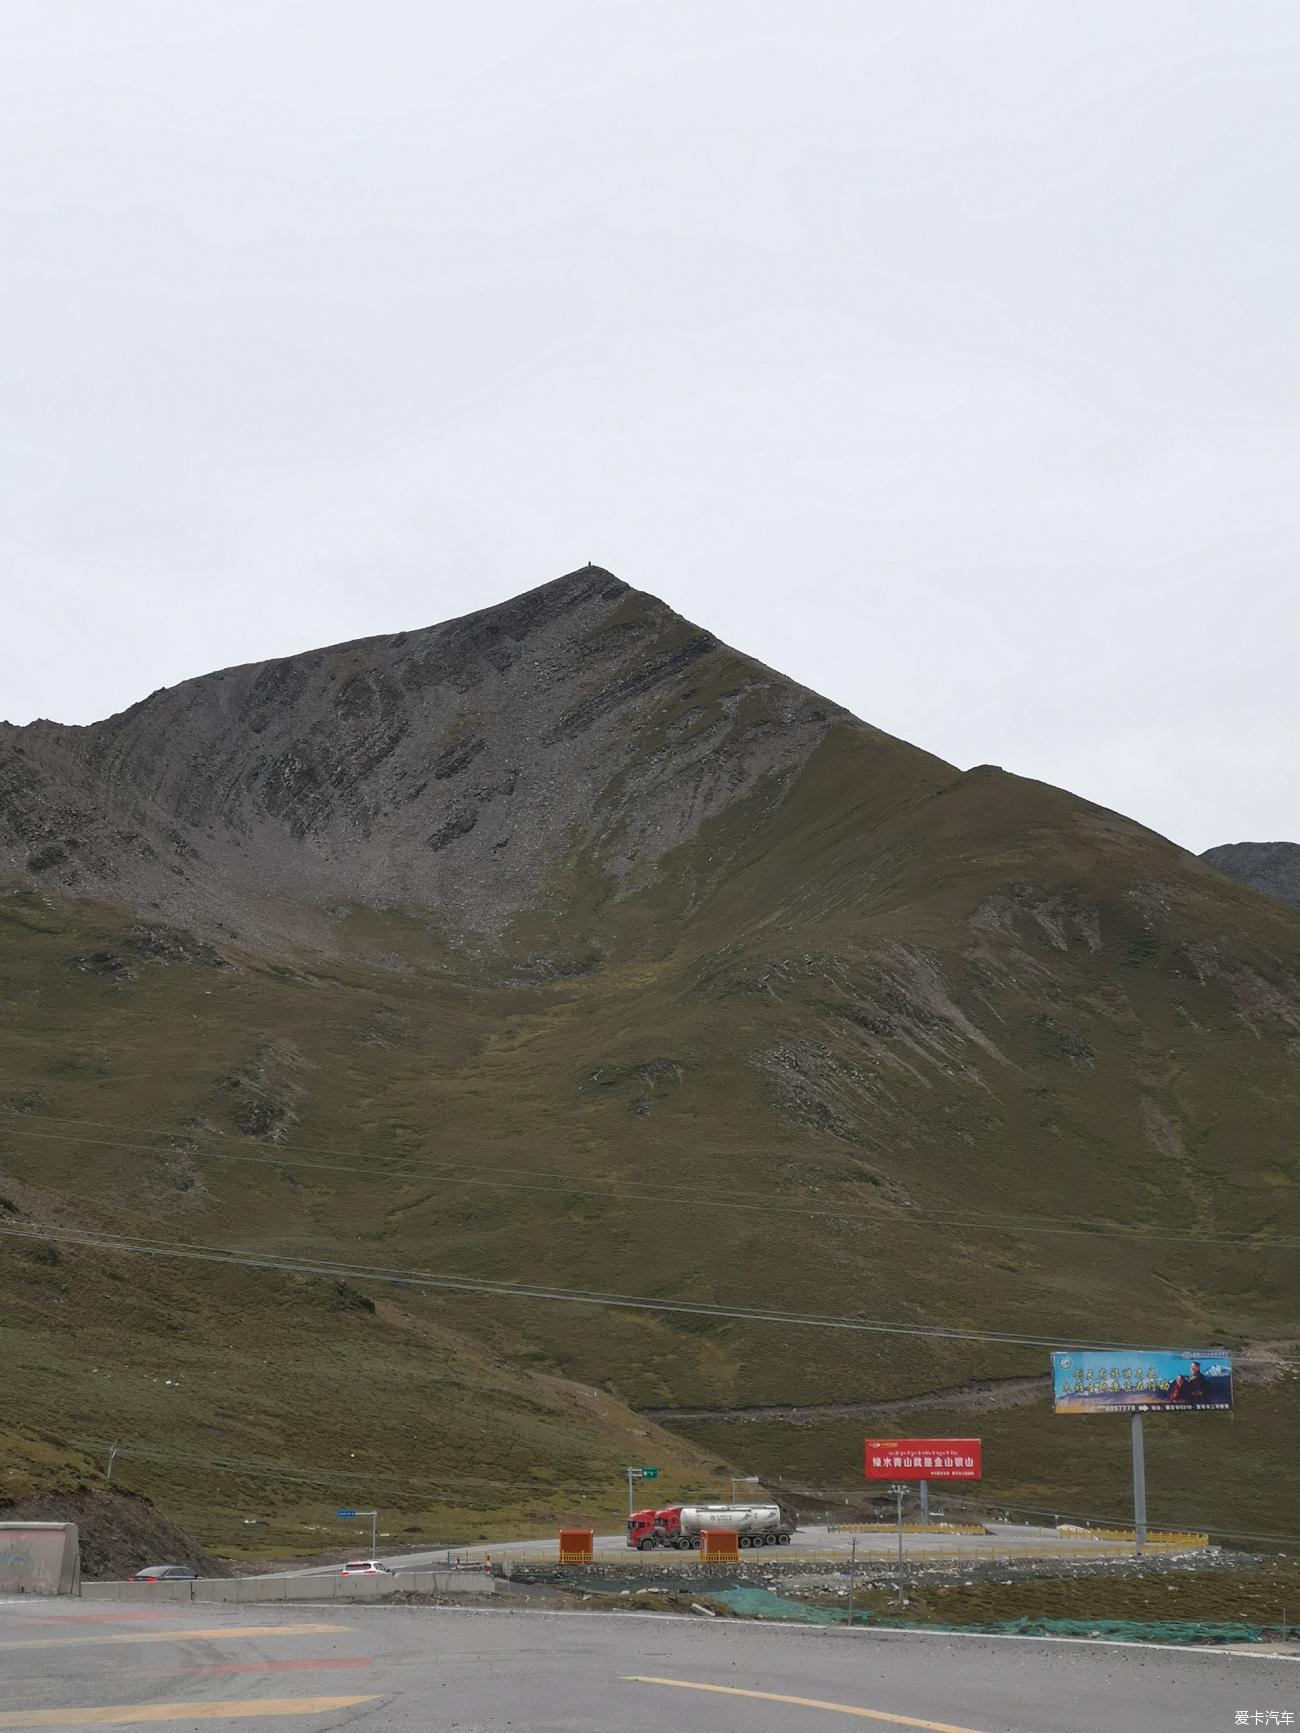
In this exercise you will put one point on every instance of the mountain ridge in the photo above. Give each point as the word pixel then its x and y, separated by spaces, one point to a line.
pixel 1270 867
pixel 347 772
pixel 758 1006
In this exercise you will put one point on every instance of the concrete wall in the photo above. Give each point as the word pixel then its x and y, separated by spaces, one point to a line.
pixel 39 1558
pixel 317 1588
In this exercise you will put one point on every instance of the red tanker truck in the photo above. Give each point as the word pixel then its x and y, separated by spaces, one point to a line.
pixel 680 1525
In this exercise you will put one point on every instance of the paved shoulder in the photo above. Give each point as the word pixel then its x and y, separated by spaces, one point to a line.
pixel 411 1670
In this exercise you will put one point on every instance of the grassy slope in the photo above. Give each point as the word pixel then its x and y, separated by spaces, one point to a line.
pixel 819 1062
pixel 35 1463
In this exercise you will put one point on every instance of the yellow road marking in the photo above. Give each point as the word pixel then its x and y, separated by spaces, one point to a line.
pixel 236 1632
pixel 117 1714
pixel 801 1703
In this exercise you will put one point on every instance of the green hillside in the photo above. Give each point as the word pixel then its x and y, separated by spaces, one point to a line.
pixel 872 1038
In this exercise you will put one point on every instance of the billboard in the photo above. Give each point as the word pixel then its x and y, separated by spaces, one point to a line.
pixel 923 1458
pixel 1119 1381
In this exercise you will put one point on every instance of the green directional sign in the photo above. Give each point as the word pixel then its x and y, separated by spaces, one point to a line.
pixel 649 1474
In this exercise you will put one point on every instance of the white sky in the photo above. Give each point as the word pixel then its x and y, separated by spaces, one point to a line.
pixel 942 355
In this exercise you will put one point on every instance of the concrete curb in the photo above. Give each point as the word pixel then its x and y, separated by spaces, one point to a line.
pixel 326 1587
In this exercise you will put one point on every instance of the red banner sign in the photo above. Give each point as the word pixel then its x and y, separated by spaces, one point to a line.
pixel 923 1459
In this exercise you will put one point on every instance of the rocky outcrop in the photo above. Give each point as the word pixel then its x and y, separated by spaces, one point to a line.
pixel 119 1532
pixel 1271 867
pixel 452 769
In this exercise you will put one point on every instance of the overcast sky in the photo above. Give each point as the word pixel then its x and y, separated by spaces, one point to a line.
pixel 942 355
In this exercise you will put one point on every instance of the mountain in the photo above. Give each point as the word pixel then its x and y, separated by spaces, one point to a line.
pixel 1271 867
pixel 452 770
pixel 564 945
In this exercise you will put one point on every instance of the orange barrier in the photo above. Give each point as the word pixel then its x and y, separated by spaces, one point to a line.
pixel 908 1528
pixel 720 1544
pixel 577 1546
pixel 1155 1536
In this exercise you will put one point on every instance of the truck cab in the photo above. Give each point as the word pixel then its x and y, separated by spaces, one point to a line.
pixel 641 1530
pixel 647 1529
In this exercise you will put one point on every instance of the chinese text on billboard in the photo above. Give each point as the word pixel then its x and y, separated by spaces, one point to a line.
pixel 923 1458
pixel 1124 1382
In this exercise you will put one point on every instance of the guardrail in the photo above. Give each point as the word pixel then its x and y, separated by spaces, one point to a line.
pixel 327 1586
pixel 789 1562
pixel 886 1528
pixel 1155 1537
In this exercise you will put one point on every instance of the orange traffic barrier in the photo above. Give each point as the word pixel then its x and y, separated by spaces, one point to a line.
pixel 721 1543
pixel 908 1528
pixel 577 1546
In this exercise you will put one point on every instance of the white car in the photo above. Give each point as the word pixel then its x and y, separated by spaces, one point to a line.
pixel 365 1567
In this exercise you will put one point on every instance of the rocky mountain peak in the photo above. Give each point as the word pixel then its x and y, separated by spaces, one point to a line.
pixel 452 768
pixel 1272 867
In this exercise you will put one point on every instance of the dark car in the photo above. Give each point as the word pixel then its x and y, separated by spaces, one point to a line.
pixel 164 1574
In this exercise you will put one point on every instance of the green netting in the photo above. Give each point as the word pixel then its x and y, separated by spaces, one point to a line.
pixel 764 1604
pixel 755 1603
pixel 1121 1630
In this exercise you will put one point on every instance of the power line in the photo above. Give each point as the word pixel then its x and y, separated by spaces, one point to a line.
pixel 310 1474
pixel 1198 1525
pixel 332 1476
pixel 990 1503
pixel 498 1289
pixel 618 1189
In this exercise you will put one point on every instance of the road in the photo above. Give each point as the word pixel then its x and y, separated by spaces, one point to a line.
pixel 1015 1539
pixel 422 1670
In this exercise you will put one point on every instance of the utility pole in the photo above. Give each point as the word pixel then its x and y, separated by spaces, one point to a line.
pixel 853 1575
pixel 899 1490
pixel 1139 1486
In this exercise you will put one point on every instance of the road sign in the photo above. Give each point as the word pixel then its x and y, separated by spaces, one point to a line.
pixel 345 1513
pixel 898 1459
pixel 647 1471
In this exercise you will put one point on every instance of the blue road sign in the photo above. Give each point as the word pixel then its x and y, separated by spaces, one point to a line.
pixel 345 1513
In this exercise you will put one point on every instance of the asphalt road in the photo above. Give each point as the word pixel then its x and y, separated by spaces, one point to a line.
pixel 423 1670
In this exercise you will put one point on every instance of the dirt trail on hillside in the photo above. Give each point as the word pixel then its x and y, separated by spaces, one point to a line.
pixel 1259 1363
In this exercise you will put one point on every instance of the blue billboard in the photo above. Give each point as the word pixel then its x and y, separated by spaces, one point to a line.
pixel 1121 1381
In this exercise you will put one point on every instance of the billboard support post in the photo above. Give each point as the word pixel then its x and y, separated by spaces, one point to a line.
pixel 925 1503
pixel 1139 1487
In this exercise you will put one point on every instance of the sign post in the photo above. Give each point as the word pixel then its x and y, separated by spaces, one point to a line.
pixel 343 1515
pixel 1139 1487
pixel 899 1490
pixel 647 1471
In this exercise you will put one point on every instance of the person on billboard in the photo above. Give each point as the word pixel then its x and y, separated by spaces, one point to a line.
pixel 1189 1386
